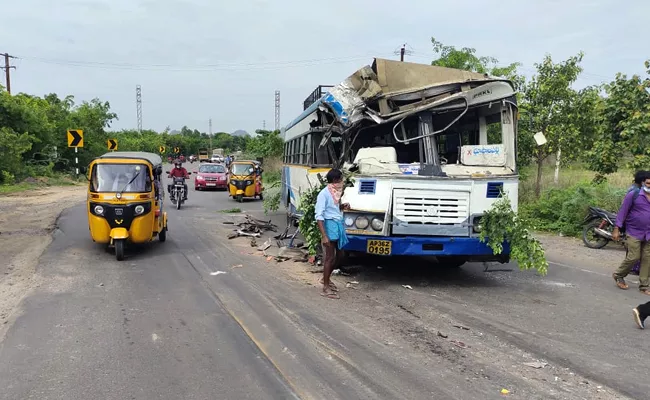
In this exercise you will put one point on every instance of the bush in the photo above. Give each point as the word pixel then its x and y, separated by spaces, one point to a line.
pixel 563 210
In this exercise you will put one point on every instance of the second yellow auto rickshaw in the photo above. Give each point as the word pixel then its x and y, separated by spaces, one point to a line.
pixel 245 180
pixel 125 199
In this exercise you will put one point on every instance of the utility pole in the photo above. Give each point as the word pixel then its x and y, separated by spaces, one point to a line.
pixel 210 132
pixel 277 110
pixel 403 52
pixel 138 106
pixel 7 67
pixel 264 124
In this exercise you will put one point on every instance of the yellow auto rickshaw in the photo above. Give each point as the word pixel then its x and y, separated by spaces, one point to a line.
pixel 125 199
pixel 245 180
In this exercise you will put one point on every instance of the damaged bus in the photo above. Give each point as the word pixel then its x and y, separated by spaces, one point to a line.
pixel 432 149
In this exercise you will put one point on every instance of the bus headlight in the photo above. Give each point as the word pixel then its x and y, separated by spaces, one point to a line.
pixel 99 210
pixel 349 221
pixel 361 222
pixel 377 224
pixel 476 225
pixel 139 210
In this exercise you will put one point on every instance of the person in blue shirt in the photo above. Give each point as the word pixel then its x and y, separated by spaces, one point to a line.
pixel 329 216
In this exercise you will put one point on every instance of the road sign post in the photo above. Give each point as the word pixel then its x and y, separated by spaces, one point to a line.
pixel 111 144
pixel 76 140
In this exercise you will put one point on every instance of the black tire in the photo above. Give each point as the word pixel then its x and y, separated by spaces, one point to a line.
pixel 239 198
pixel 162 235
pixel 261 197
pixel 119 249
pixel 451 262
pixel 590 239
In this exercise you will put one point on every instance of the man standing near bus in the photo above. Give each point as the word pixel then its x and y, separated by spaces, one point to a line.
pixel 329 216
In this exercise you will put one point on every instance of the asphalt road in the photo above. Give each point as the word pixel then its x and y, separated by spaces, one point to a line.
pixel 163 325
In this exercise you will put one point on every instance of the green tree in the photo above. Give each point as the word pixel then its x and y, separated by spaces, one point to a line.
pixel 547 102
pixel 625 125
pixel 266 144
pixel 466 59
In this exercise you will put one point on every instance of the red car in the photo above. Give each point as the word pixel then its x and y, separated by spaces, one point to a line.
pixel 211 176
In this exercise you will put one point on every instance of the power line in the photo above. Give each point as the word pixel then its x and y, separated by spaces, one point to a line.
pixel 200 67
pixel 7 68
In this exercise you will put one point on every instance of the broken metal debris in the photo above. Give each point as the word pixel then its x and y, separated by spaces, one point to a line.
pixel 461 327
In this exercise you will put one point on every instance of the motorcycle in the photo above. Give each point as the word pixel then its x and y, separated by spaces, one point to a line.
pixel 178 192
pixel 598 227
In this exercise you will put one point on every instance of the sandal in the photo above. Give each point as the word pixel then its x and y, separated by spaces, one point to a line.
pixel 620 282
pixel 645 291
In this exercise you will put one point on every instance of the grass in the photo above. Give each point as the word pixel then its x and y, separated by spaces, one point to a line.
pixel 39 183
pixel 231 211
pixel 570 176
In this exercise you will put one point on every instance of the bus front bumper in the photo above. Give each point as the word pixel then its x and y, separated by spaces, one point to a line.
pixel 469 247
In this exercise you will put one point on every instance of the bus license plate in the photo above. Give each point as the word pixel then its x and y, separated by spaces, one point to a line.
pixel 379 247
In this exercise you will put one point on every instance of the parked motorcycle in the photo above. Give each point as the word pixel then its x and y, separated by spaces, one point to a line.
pixel 178 192
pixel 598 227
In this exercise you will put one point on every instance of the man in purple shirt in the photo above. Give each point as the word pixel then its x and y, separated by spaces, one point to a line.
pixel 635 216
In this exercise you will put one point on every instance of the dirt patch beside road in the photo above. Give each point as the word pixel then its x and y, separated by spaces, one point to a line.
pixel 27 220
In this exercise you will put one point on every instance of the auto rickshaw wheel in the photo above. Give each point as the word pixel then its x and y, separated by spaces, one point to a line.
pixel 162 235
pixel 239 198
pixel 261 196
pixel 119 249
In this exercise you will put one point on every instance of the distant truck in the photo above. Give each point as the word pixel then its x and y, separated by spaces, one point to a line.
pixel 203 155
pixel 217 152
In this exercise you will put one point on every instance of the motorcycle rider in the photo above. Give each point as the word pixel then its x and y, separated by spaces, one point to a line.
pixel 178 172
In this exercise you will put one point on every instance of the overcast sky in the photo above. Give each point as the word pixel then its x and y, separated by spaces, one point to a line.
pixel 201 59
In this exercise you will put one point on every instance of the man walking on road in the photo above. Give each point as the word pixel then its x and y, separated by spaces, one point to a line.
pixel 329 217
pixel 635 216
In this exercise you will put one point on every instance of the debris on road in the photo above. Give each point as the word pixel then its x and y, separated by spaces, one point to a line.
pixel 505 391
pixel 293 253
pixel 217 273
pixel 536 364
pixel 407 287
pixel 237 266
pixel 351 284
pixel 442 335
pixel 265 245
pixel 336 272
pixel 461 327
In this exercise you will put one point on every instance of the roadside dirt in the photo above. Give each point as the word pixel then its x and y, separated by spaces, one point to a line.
pixel 27 220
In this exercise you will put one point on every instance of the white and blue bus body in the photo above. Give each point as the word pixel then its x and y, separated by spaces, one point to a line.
pixel 396 210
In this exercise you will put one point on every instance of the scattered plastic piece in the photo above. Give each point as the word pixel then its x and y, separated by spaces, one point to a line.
pixel 505 391
pixel 336 272
pixel 237 266
pixel 217 273
pixel 407 287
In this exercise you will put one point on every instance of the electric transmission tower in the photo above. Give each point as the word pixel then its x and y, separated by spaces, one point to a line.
pixel 277 110
pixel 138 105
